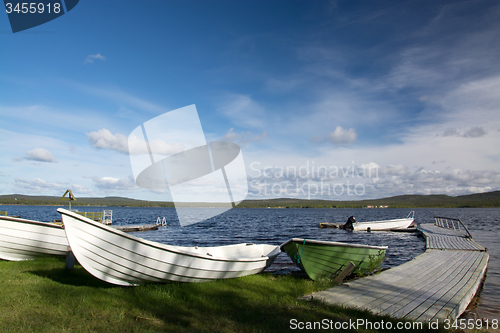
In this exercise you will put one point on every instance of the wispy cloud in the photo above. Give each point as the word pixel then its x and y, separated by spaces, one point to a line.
pixel 117 95
pixel 473 132
pixel 111 184
pixel 420 102
pixel 450 49
pixel 36 185
pixel 38 155
pixel 243 138
pixel 425 110
pixel 428 181
pixel 72 117
pixel 90 59
pixel 471 104
pixel 339 136
pixel 40 186
pixel 243 111
pixel 370 180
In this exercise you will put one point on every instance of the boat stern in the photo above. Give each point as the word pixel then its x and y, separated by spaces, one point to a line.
pixel 274 252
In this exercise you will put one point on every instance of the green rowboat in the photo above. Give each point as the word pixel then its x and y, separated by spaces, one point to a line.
pixel 327 259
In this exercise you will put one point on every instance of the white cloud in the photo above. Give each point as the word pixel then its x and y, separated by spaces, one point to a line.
pixel 369 180
pixel 39 155
pixel 394 170
pixel 104 139
pixel 160 147
pixel 339 136
pixel 39 186
pixel 427 181
pixel 244 137
pixel 92 57
pixel 36 184
pixel 111 184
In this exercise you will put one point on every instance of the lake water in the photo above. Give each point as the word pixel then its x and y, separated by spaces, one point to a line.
pixel 275 226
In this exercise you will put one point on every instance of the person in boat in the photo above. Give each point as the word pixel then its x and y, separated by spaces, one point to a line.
pixel 348 225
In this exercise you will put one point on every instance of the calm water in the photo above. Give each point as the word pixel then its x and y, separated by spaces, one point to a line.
pixel 275 226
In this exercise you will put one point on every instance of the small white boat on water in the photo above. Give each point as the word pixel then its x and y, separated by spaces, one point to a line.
pixel 122 259
pixel 22 239
pixel 385 224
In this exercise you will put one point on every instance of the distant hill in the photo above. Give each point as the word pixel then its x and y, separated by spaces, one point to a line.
pixel 21 199
pixel 489 199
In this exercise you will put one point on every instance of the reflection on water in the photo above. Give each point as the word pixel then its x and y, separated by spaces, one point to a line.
pixel 275 226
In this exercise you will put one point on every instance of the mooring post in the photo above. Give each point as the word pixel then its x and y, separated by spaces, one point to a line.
pixel 70 259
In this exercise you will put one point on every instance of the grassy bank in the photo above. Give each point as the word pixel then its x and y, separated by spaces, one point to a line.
pixel 41 296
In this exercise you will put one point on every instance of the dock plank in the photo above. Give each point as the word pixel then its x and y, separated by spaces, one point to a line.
pixel 392 287
pixel 439 283
pixel 438 292
pixel 447 239
pixel 389 297
pixel 420 290
pixel 456 299
pixel 457 307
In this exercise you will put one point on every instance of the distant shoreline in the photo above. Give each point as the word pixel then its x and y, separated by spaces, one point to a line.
pixel 479 200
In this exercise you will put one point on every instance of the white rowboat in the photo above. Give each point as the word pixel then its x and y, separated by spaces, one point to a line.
pixel 22 239
pixel 122 259
pixel 385 224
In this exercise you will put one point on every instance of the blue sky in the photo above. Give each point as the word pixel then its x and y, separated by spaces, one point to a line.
pixel 406 90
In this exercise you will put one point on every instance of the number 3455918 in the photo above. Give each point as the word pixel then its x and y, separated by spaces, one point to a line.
pixel 33 7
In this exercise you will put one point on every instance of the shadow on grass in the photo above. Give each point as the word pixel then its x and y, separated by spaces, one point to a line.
pixel 75 277
pixel 259 303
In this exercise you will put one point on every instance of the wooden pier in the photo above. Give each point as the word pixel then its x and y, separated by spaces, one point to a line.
pixel 135 227
pixel 438 284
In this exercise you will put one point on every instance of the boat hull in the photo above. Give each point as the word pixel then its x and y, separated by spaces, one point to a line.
pixel 383 225
pixel 320 259
pixel 22 239
pixel 122 259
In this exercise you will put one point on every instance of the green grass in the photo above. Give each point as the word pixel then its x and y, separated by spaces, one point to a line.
pixel 41 296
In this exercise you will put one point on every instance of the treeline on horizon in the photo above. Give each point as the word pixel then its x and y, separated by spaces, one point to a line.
pixel 484 200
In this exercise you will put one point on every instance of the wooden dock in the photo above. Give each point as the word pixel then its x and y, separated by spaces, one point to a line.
pixel 135 227
pixel 330 225
pixel 438 284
